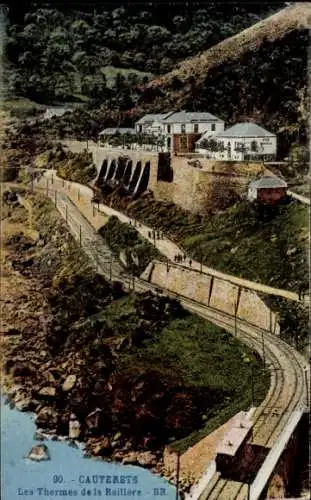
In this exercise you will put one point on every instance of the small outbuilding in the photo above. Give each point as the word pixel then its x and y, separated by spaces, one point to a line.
pixel 267 190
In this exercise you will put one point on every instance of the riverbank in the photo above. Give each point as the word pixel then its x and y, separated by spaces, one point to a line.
pixel 132 368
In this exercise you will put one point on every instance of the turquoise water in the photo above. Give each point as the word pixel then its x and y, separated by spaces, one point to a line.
pixel 68 474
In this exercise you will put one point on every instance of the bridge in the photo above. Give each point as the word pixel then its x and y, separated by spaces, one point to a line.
pixel 274 422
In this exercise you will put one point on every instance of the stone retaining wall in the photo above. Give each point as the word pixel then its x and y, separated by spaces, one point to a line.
pixel 216 293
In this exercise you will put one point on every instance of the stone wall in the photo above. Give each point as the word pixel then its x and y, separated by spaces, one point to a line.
pixel 197 189
pixel 216 293
pixel 192 188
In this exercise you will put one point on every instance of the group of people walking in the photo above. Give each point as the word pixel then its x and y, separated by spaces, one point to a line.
pixel 135 223
pixel 155 235
pixel 181 258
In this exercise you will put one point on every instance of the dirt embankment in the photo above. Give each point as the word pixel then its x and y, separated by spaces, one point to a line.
pixel 124 373
pixel 79 381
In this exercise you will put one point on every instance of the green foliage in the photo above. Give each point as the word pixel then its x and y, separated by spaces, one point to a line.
pixel 266 84
pixel 77 167
pixel 124 238
pixel 22 108
pixel 267 245
pixel 190 347
pixel 54 52
pixel 229 241
pixel 125 140
pixel 152 368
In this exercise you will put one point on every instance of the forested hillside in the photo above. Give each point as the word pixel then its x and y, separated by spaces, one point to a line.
pixel 102 53
pixel 258 75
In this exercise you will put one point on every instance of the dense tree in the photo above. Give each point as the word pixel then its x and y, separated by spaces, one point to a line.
pixel 149 38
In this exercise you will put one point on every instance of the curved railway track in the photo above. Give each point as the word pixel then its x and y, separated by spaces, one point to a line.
pixel 287 390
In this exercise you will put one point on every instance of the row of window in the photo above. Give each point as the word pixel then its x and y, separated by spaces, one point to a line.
pixel 183 128
pixel 195 128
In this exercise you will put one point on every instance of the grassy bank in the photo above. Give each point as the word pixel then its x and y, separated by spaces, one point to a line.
pixel 125 240
pixel 153 371
pixel 76 167
pixel 264 245
pixel 268 246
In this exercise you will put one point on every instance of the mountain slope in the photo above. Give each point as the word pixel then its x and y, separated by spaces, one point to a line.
pixel 276 26
pixel 258 75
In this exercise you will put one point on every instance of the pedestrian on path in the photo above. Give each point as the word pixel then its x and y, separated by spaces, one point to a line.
pixel 302 291
pixel 190 262
pixel 149 234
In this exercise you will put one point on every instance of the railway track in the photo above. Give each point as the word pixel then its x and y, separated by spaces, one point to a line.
pixel 287 391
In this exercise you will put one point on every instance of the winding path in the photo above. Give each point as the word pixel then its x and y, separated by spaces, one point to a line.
pixel 165 246
pixel 288 369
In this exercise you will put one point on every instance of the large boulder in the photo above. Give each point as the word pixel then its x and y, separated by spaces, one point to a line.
pixel 74 427
pixel 47 418
pixel 47 391
pixel 69 383
pixel 38 453
pixel 146 459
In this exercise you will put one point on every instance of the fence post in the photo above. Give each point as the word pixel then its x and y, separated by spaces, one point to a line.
pixel 78 194
pixel 80 236
pixel 55 197
pixel 66 213
pixel 47 187
pixel 177 475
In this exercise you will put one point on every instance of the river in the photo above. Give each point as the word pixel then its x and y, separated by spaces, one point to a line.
pixel 68 474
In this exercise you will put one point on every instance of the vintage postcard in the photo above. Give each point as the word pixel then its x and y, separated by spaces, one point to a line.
pixel 155 206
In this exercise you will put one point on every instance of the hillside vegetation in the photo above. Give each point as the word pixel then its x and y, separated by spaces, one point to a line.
pixel 139 361
pixel 125 240
pixel 268 246
pixel 259 74
pixel 103 53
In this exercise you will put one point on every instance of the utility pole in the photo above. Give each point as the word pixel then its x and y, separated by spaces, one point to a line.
pixel 97 263
pixel 110 270
pixel 66 213
pixel 263 349
pixel 55 197
pixel 30 172
pixel 80 236
pixel 307 388
pixel 78 194
pixel 47 187
pixel 252 383
pixel 235 323
pixel 177 475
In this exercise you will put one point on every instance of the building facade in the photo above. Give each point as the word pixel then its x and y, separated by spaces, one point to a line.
pixel 179 130
pixel 241 142
pixel 151 124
